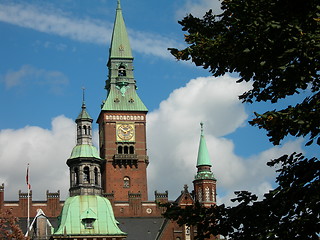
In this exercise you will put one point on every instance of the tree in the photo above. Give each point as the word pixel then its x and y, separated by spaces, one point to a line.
pixel 9 229
pixel 275 44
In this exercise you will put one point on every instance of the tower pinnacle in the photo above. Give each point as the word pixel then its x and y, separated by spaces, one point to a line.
pixel 203 154
pixel 121 85
pixel 204 181
pixel 83 92
pixel 120 44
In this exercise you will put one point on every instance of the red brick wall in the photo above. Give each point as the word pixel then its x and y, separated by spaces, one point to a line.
pixel 51 208
pixel 113 175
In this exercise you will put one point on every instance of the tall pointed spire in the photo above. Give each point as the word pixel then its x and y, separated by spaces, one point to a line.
pixel 203 154
pixel 120 44
pixel 121 85
pixel 204 181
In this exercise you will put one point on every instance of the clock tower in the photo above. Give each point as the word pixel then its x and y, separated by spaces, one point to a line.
pixel 122 123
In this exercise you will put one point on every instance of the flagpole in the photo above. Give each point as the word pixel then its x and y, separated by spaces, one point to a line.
pixel 28 186
pixel 28 220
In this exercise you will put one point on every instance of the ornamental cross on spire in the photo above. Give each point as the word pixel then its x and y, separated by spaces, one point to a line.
pixel 83 92
pixel 201 124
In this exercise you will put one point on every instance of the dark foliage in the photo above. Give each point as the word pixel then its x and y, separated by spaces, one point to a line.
pixel 276 45
pixel 9 229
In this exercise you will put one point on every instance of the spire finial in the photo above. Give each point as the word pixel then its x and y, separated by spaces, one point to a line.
pixel 83 93
pixel 118 4
pixel 201 124
pixel 83 100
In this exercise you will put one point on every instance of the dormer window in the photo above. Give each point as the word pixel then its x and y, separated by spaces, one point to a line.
pixel 88 223
pixel 88 218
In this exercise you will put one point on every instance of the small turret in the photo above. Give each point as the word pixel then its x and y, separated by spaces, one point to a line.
pixel 84 161
pixel 204 181
pixel 86 214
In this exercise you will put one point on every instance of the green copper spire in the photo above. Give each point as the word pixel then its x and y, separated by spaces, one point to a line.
pixel 203 154
pixel 203 161
pixel 84 115
pixel 121 85
pixel 120 44
pixel 84 147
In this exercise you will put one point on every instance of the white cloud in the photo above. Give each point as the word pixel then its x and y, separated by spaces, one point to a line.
pixel 211 100
pixel 199 8
pixel 174 133
pixel 45 149
pixel 28 74
pixel 88 30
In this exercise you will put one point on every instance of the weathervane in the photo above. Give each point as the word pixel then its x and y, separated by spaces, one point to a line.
pixel 83 92
pixel 201 124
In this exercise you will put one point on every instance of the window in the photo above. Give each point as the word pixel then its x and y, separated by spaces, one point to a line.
pixel 86 174
pixel 96 176
pixel 85 130
pixel 88 222
pixel 126 182
pixel 125 150
pixel 131 150
pixel 207 194
pixel 122 71
pixel 120 150
pixel 76 176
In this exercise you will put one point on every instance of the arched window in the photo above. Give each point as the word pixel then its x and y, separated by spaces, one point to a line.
pixel 125 150
pixel 86 174
pixel 207 194
pixel 96 176
pixel 79 130
pixel 126 182
pixel 76 176
pixel 122 71
pixel 85 130
pixel 131 150
pixel 120 150
pixel 89 130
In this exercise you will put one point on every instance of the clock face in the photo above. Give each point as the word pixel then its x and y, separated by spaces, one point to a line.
pixel 125 132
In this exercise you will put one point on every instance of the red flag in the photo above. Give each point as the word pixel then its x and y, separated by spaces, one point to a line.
pixel 27 177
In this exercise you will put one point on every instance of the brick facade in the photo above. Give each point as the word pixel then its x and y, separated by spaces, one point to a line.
pixel 120 165
pixel 51 207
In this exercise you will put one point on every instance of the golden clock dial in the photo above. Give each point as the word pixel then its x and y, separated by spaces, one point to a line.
pixel 125 131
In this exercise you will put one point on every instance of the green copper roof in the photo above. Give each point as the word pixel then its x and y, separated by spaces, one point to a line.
pixel 203 154
pixel 127 100
pixel 84 114
pixel 120 45
pixel 79 209
pixel 85 151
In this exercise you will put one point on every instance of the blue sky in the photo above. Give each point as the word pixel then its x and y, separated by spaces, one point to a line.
pixel 49 50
